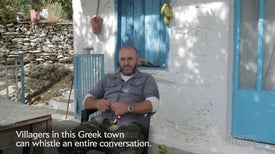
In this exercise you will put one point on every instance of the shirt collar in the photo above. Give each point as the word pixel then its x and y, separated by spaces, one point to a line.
pixel 125 77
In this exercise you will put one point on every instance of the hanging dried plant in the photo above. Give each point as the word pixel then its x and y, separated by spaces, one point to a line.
pixel 96 24
pixel 97 21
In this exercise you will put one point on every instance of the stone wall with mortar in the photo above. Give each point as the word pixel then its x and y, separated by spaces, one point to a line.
pixel 39 42
pixel 48 52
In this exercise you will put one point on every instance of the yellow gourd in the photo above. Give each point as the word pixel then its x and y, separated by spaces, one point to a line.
pixel 167 11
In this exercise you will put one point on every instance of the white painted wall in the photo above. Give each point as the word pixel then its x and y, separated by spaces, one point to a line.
pixel 84 10
pixel 195 110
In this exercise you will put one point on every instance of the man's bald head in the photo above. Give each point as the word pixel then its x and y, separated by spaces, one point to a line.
pixel 127 57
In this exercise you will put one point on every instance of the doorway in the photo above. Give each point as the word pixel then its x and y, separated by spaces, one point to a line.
pixel 254 71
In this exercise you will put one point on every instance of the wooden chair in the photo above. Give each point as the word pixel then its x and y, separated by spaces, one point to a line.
pixel 145 126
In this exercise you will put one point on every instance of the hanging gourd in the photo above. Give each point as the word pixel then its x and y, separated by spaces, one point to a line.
pixel 97 21
pixel 167 11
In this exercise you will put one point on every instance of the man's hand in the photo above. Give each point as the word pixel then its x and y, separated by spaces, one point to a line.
pixel 119 108
pixel 103 105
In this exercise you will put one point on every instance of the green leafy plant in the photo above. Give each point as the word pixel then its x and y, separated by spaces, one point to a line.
pixel 67 10
pixel 10 8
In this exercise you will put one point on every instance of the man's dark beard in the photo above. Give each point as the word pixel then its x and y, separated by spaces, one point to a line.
pixel 133 71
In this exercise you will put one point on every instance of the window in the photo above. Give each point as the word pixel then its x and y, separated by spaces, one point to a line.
pixel 254 71
pixel 140 24
pixel 256 44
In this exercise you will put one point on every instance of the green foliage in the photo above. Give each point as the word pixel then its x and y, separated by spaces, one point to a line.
pixel 10 8
pixel 66 7
pixel 55 11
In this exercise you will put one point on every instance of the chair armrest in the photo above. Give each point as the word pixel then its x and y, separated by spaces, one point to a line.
pixel 85 113
pixel 145 125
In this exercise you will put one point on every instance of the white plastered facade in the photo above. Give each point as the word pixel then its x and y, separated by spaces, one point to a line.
pixel 196 89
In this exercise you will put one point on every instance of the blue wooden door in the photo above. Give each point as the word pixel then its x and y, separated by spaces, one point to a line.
pixel 253 81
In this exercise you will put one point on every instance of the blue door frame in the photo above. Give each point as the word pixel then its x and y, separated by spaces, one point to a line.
pixel 253 110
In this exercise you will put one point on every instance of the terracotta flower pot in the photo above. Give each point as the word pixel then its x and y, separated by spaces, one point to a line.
pixel 34 15
pixel 96 23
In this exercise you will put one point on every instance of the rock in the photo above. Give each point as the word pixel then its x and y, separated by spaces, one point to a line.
pixel 66 60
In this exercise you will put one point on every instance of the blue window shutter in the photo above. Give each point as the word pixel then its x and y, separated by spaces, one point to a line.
pixel 127 13
pixel 163 39
pixel 139 27
pixel 140 24
pixel 155 31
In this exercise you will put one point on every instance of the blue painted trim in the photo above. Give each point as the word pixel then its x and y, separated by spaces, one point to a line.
pixel 88 70
pixel 236 37
pixel 236 64
pixel 252 109
pixel 21 56
pixel 117 32
pixel 102 66
pixel 163 37
pixel 138 26
pixel 260 51
pixel 76 86
pixel 167 43
pixel 254 114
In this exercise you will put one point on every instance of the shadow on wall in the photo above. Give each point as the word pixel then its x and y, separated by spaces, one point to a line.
pixel 198 39
pixel 198 62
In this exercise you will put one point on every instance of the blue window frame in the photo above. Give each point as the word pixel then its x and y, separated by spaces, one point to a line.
pixel 140 24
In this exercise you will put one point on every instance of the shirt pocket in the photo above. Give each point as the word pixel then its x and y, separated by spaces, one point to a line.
pixel 136 88
pixel 111 85
pixel 111 89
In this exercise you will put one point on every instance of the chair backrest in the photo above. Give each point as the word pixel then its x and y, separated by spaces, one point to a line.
pixel 88 70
